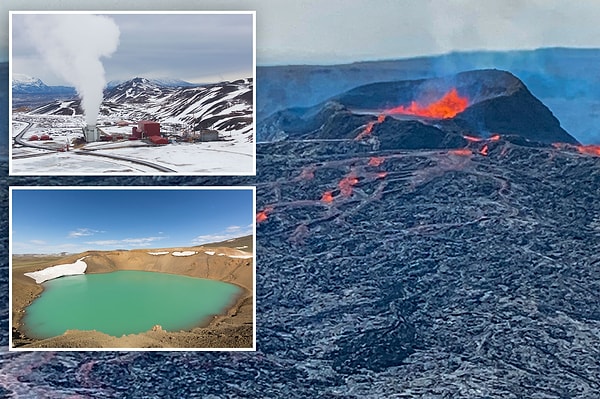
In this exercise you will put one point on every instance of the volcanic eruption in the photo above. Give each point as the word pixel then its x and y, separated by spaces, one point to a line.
pixel 446 107
pixel 445 112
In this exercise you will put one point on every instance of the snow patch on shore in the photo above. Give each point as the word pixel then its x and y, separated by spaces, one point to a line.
pixel 184 253
pixel 209 252
pixel 158 253
pixel 53 272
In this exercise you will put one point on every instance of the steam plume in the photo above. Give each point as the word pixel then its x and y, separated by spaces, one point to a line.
pixel 72 45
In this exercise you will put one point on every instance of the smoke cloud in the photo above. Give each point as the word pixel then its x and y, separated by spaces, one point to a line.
pixel 72 46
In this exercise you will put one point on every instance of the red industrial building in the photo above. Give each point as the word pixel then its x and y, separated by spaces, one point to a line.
pixel 159 140
pixel 146 129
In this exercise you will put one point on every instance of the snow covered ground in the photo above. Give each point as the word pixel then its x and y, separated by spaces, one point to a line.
pixel 53 272
pixel 158 253
pixel 184 253
pixel 236 156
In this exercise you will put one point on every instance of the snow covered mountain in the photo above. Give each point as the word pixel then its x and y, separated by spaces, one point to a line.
pixel 225 106
pixel 169 82
pixel 24 84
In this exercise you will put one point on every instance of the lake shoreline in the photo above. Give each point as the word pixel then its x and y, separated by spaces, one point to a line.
pixel 232 328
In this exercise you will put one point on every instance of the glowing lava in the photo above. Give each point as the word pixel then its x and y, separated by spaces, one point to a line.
pixel 327 197
pixel 461 152
pixel 369 127
pixel 376 161
pixel 589 149
pixel 263 215
pixel 472 139
pixel 446 107
pixel 346 185
pixel 484 151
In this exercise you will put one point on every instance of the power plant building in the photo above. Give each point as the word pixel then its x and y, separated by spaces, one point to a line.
pixel 91 133
pixel 146 129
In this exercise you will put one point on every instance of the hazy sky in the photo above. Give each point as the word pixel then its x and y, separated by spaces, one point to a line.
pixel 338 31
pixel 75 220
pixel 193 47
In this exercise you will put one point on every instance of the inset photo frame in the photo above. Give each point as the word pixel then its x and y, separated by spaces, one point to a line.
pixel 148 268
pixel 132 93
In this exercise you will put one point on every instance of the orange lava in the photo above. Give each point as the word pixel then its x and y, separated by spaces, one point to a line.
pixel 369 128
pixel 589 149
pixel 327 197
pixel 495 137
pixel 446 107
pixel 462 152
pixel 346 185
pixel 473 139
pixel 376 161
pixel 263 215
pixel 382 175
pixel 484 151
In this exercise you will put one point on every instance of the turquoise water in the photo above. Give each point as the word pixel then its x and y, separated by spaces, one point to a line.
pixel 125 302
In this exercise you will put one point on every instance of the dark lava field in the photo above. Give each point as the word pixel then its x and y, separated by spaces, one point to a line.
pixel 466 269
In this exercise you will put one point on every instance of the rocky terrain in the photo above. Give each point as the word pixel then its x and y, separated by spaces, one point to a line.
pixel 457 268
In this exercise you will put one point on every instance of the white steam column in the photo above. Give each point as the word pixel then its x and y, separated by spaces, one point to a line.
pixel 72 46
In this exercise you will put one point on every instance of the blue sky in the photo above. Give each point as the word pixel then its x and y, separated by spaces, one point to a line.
pixel 196 47
pixel 76 220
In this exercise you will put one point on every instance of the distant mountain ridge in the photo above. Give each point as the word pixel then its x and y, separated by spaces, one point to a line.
pixel 24 84
pixel 165 82
pixel 498 103
pixel 565 79
pixel 225 106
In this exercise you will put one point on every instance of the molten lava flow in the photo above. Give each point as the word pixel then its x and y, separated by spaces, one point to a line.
pixel 495 137
pixel 369 127
pixel 589 149
pixel 382 175
pixel 472 139
pixel 346 185
pixel 484 151
pixel 462 152
pixel 446 107
pixel 327 197
pixel 376 161
pixel 263 215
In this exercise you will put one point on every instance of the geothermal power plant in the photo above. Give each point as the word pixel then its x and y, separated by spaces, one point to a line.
pixel 91 133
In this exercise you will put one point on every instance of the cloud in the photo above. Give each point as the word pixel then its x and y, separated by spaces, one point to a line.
pixel 132 242
pixel 83 232
pixel 229 233
pixel 43 247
